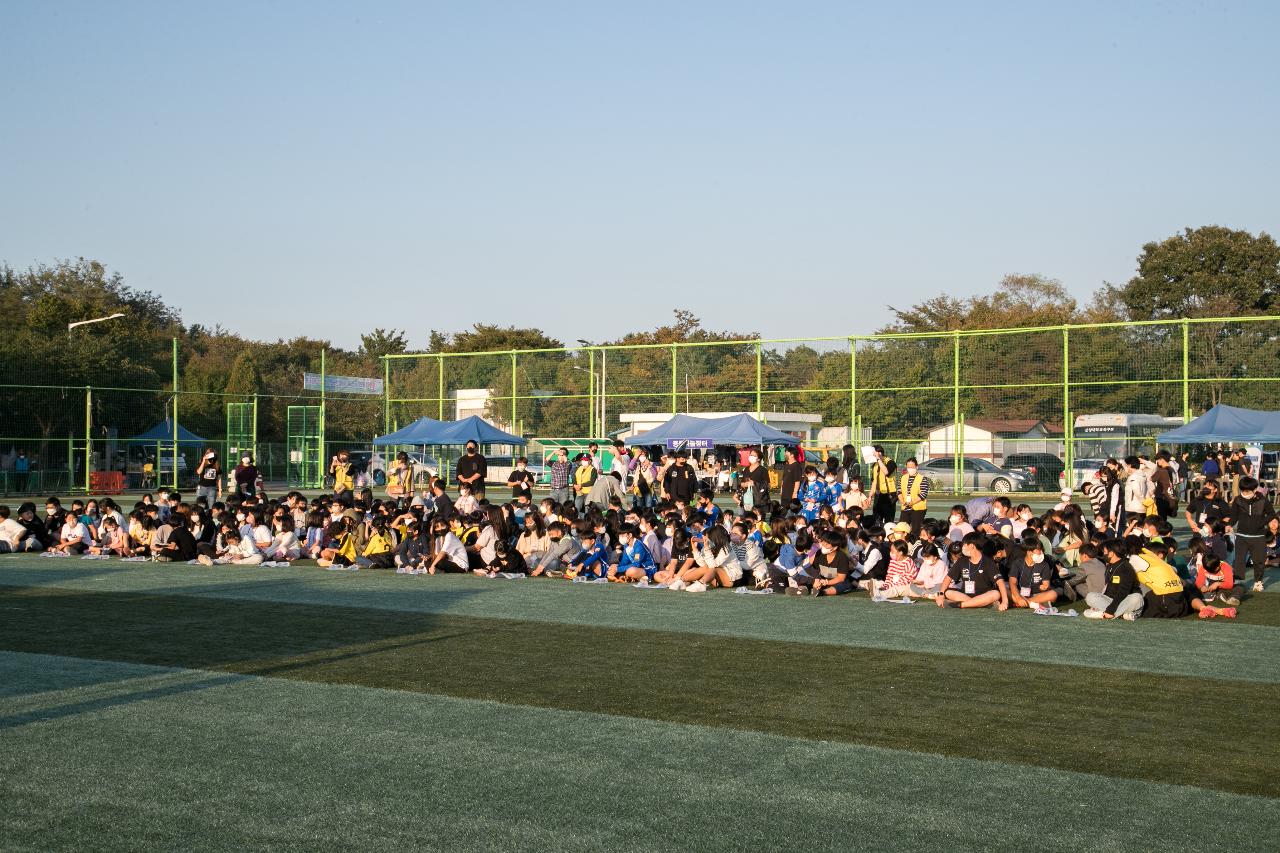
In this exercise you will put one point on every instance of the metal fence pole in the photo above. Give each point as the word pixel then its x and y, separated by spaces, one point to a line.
pixel 1068 452
pixel 513 392
pixel 323 381
pixel 88 435
pixel 175 414
pixel 957 465
pixel 386 395
pixel 1186 373
pixel 674 385
pixel 440 377
pixel 591 392
pixel 853 391
pixel 759 375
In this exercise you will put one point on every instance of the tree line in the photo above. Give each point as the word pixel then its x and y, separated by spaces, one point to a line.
pixel 905 385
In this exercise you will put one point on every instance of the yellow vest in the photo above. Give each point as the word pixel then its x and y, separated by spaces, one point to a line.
pixel 1161 577
pixel 881 482
pixel 912 496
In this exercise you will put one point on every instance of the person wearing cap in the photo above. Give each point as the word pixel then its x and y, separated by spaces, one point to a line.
pixel 913 494
pixel 37 538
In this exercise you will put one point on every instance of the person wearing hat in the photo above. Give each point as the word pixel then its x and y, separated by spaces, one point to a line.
pixel 37 538
pixel 913 494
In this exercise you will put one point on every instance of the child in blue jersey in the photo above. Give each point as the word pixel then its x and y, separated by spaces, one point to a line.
pixel 707 506
pixel 635 562
pixel 812 494
pixel 593 561
pixel 834 492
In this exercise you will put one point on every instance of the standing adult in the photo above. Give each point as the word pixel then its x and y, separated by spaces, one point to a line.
pixel 680 482
pixel 22 471
pixel 246 476
pixel 472 469
pixel 792 478
pixel 882 493
pixel 521 480
pixel 1162 483
pixel 913 495
pixel 561 472
pixel 755 482
pixel 209 478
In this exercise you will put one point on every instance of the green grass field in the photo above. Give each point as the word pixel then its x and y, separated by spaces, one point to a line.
pixel 162 706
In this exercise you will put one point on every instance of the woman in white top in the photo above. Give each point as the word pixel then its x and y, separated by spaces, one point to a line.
pixel 450 555
pixel 284 545
pixel 532 543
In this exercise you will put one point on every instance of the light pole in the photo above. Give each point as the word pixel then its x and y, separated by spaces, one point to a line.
pixel 114 316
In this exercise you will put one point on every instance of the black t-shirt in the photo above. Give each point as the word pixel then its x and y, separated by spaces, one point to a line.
pixel 209 476
pixel 760 478
pixel 469 465
pixel 792 474
pixel 1028 578
pixel 831 565
pixel 680 482
pixel 521 484
pixel 185 542
pixel 1208 509
pixel 982 576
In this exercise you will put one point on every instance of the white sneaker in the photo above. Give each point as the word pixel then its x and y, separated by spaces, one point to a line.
pixel 1092 614
pixel 205 560
pixel 696 586
pixel 1257 586
pixel 1130 617
pixel 676 584
pixel 872 588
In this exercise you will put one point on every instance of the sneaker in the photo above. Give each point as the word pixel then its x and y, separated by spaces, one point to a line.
pixel 570 574
pixel 696 586
pixel 872 587
pixel 795 590
pixel 205 560
pixel 677 585
pixel 1093 614
pixel 1130 617
pixel 1257 586
pixel 1229 600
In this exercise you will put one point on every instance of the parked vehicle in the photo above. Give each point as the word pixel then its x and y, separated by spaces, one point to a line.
pixel 1082 470
pixel 373 465
pixel 1045 469
pixel 976 475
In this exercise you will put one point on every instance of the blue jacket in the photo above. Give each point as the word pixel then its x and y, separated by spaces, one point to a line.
pixel 636 556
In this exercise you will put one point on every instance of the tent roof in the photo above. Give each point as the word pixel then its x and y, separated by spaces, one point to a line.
pixel 421 431
pixel 431 431
pixel 1227 423
pixel 735 429
pixel 163 432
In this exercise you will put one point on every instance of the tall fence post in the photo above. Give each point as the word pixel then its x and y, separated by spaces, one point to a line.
pixel 440 386
pixel 386 395
pixel 88 435
pixel 591 392
pixel 513 392
pixel 759 378
pixel 853 393
pixel 957 465
pixel 323 382
pixel 174 460
pixel 675 387
pixel 1068 452
pixel 1186 373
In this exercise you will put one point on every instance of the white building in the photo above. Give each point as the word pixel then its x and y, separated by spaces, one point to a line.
pixel 803 426
pixel 993 438
pixel 473 401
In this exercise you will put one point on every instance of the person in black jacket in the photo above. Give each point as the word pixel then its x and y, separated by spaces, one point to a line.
pixel 1122 596
pixel 181 546
pixel 1250 513
pixel 680 482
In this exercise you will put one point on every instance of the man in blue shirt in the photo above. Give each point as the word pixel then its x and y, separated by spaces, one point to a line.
pixel 635 563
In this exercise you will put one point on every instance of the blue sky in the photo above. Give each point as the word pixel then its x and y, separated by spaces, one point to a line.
pixel 787 169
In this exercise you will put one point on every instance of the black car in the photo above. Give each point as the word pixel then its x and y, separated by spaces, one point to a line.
pixel 1045 469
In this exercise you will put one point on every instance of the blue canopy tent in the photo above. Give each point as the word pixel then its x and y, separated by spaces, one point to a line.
pixel 1223 424
pixel 421 431
pixel 686 432
pixel 162 433
pixel 430 431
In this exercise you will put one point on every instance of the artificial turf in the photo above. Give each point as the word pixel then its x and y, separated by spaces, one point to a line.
pixel 1066 717
pixel 107 756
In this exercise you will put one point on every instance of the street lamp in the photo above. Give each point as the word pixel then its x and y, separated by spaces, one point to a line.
pixel 114 316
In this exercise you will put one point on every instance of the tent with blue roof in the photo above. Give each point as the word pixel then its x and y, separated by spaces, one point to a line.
pixel 687 432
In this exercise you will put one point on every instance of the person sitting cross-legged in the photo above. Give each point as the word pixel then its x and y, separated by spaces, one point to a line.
pixel 973 580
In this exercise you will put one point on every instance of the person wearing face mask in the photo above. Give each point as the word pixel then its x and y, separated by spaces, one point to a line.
pixel 472 469
pixel 928 579
pixel 755 481
pixel 209 478
pixel 1031 577
pixel 521 480
pixel 973 580
pixel 1250 513
pixel 882 492
pixel 828 572
pixel 812 494
pixel 913 494
pixel 245 476
pixel 959 526
pixel 561 472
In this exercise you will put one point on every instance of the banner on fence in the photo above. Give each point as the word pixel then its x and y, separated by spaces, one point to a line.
pixel 342 384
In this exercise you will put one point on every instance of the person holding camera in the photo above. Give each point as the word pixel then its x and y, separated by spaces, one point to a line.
pixel 340 470
pixel 209 478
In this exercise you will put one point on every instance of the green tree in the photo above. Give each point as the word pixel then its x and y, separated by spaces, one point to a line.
pixel 380 342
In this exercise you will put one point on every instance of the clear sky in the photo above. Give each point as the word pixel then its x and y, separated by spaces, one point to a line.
pixel 782 168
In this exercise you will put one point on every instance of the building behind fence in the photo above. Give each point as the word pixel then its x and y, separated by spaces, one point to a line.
pixel 981 394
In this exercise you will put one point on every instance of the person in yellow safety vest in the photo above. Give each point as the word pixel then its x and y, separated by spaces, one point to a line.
pixel 913 494
pixel 1166 596
pixel 882 494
